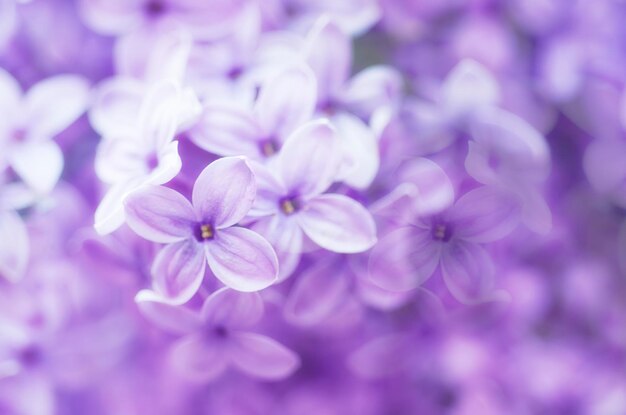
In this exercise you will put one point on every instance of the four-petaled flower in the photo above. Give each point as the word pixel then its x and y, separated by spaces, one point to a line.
pixel 203 232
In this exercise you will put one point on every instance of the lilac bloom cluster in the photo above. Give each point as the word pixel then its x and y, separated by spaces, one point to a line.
pixel 312 207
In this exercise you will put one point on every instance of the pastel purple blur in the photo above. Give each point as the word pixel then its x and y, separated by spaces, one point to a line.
pixel 312 207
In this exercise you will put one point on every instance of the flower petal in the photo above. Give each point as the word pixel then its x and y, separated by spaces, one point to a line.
pixel 262 357
pixel 11 94
pixel 243 260
pixel 369 90
pixel 278 109
pixel 198 359
pixel 224 192
pixel 14 247
pixel 403 259
pixel 468 272
pixel 178 271
pixel 338 223
pixel 227 132
pixel 467 87
pixel 360 151
pixel 329 53
pixel 159 214
pixel 116 106
pixel 309 162
pixel 109 214
pixel 317 292
pixel 485 214
pixel 172 318
pixel 435 190
pixel 39 164
pixel 55 103
pixel 232 309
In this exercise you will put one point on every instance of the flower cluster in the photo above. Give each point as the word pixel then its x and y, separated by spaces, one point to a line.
pixel 298 207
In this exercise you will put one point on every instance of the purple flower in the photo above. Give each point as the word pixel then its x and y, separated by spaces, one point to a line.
pixel 202 232
pixel 134 153
pixel 32 120
pixel 218 337
pixel 291 202
pixel 260 133
pixel 452 241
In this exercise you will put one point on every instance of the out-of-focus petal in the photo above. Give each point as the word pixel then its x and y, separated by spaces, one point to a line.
pixel 309 161
pixel 316 293
pixel 232 309
pixel 435 190
pixel 224 192
pixel 11 94
pixel 242 259
pixel 338 223
pixel 360 150
pixel 173 318
pixel 14 247
pixel 468 87
pixel 39 164
pixel 369 90
pixel 468 272
pixel 485 214
pixel 404 259
pixel 178 271
pixel 279 110
pixel 262 357
pixel 329 53
pixel 112 17
pixel 227 132
pixel 116 107
pixel 159 214
pixel 55 103
pixel 199 359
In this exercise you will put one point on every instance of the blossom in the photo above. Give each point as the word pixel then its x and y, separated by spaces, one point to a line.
pixel 142 152
pixel 32 120
pixel 218 337
pixel 291 201
pixel 202 232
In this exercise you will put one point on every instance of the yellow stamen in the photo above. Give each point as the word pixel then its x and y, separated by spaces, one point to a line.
pixel 206 231
pixel 287 206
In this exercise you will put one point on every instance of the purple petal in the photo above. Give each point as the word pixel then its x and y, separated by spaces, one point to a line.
pixel 224 192
pixel 159 214
pixel 435 190
pixel 468 87
pixel 286 237
pixel 178 271
pixel 14 249
pixel 338 223
pixel 227 132
pixel 536 214
pixel 468 272
pixel 55 103
pixel 404 259
pixel 243 260
pixel 111 16
pixel 329 53
pixel 278 109
pixel 232 309
pixel 485 214
pixel 360 151
pixel 11 94
pixel 262 357
pixel 172 318
pixel 317 293
pixel 109 214
pixel 309 162
pixel 116 106
pixel 373 88
pixel 379 357
pixel 198 359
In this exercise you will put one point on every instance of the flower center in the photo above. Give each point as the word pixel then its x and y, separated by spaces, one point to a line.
pixel 19 135
pixel 155 7
pixel 152 161
pixel 269 147
pixel 204 232
pixel 442 232
pixel 289 206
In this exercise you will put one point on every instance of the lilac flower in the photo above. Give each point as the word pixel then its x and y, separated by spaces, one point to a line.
pixel 202 232
pixel 450 240
pixel 143 152
pixel 291 202
pixel 8 21
pixel 218 337
pixel 328 52
pixel 261 133
pixel 32 120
